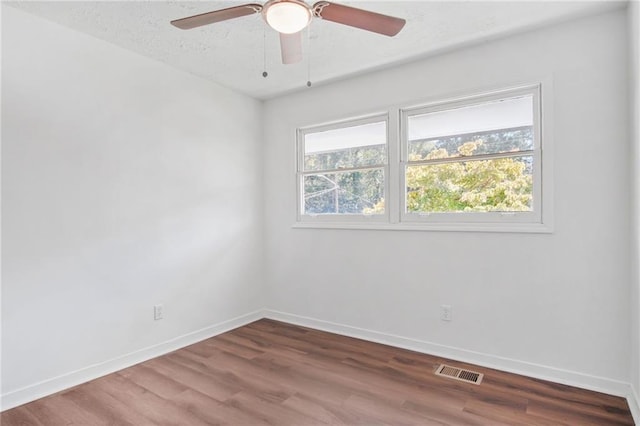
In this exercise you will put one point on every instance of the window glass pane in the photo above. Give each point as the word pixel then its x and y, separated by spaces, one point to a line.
pixel 496 185
pixel 355 146
pixel 507 140
pixel 487 128
pixel 359 192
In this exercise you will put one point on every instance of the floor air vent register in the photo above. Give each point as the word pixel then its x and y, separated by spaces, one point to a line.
pixel 459 374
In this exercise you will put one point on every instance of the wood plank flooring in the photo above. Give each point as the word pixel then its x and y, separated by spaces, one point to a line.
pixel 270 372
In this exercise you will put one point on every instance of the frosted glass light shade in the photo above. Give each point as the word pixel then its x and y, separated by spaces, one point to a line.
pixel 287 17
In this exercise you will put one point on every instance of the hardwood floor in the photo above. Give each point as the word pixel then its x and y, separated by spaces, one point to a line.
pixel 270 372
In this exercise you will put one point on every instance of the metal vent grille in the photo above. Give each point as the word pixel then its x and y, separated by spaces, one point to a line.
pixel 459 374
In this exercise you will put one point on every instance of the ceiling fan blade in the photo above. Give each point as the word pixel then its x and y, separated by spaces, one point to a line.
pixel 359 18
pixel 291 47
pixel 216 16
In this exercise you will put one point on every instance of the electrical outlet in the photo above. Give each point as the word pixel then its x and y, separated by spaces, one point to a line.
pixel 446 313
pixel 158 312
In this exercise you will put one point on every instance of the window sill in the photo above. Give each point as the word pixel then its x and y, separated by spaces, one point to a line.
pixel 526 228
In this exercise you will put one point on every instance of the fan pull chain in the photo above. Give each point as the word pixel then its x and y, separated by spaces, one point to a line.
pixel 264 49
pixel 309 56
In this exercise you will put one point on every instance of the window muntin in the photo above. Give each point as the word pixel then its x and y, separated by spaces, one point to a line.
pixel 342 169
pixel 475 160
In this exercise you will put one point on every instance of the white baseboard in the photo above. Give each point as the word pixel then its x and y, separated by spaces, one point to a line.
pixel 571 378
pixel 634 404
pixel 74 378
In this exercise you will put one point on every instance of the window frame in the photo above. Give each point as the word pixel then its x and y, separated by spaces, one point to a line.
pixel 395 217
pixel 344 218
pixel 533 216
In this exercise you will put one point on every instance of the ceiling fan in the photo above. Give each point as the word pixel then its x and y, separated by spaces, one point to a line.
pixel 290 17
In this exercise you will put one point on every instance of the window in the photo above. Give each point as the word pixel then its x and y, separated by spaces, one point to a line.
pixel 472 163
pixel 475 160
pixel 342 169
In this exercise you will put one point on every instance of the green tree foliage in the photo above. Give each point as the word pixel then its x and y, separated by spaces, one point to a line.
pixel 349 192
pixel 343 193
pixel 501 184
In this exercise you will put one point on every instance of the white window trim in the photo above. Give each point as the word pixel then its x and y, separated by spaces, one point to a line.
pixel 393 219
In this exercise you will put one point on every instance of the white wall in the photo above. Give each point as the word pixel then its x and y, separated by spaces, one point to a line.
pixel 125 183
pixel 634 54
pixel 553 305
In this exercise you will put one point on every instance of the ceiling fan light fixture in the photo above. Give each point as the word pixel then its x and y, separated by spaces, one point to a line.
pixel 287 16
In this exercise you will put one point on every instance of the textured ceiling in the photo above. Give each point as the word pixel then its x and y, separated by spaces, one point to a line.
pixel 233 53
